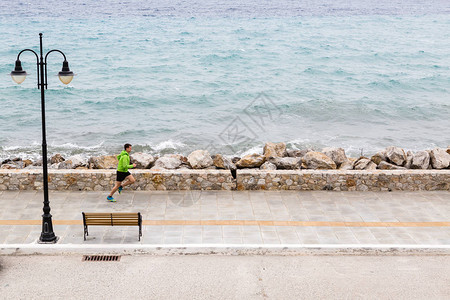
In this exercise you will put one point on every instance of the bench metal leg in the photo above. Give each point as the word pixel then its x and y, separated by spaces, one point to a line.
pixel 85 232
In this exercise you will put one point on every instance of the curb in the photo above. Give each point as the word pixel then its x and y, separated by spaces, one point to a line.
pixel 225 249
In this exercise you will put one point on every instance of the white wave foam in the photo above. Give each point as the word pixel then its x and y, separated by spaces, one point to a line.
pixel 168 144
pixel 256 149
pixel 75 146
pixel 33 145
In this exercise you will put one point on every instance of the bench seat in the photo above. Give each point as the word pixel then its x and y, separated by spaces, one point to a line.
pixel 112 219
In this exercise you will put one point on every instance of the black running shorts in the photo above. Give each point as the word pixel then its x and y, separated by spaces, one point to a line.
pixel 122 175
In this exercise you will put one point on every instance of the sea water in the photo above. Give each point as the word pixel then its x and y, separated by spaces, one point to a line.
pixel 227 76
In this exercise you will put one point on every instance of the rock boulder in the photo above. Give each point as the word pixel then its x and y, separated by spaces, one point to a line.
pixel 387 166
pixel 348 164
pixel 297 153
pixel 286 163
pixel 363 163
pixel 57 158
pixel 268 166
pixel 9 166
pixel 200 159
pixel 420 160
pixel 336 154
pixel 440 159
pixel 142 160
pixel 103 162
pixel 396 155
pixel 251 161
pixel 222 162
pixel 317 161
pixel 409 158
pixel 167 162
pixel 275 150
pixel 379 157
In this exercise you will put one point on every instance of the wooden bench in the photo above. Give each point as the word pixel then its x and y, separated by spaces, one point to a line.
pixel 112 219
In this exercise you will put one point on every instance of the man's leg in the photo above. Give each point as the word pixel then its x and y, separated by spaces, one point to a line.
pixel 115 188
pixel 128 180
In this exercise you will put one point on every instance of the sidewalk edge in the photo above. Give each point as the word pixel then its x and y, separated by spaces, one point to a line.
pixel 225 249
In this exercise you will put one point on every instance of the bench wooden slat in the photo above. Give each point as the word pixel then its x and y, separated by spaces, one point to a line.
pixel 114 217
pixel 124 223
pixel 107 214
pixel 113 221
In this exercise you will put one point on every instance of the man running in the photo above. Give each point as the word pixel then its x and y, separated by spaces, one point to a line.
pixel 124 177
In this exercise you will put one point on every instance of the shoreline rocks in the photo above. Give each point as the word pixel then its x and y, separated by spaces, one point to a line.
pixel 275 157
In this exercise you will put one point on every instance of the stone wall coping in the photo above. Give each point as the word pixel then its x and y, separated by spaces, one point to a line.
pixel 111 171
pixel 340 172
pixel 219 171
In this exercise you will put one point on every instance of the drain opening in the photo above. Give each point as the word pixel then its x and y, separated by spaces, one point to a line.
pixel 101 257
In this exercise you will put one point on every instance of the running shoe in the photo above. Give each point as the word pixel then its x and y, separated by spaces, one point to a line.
pixel 120 189
pixel 110 199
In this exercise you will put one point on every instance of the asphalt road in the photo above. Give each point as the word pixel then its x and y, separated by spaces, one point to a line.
pixel 226 277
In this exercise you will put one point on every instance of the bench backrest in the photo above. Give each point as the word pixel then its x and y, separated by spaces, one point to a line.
pixel 112 219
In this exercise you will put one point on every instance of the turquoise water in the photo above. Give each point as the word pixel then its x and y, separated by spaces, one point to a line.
pixel 235 79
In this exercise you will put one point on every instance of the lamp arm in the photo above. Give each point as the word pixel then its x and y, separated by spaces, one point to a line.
pixel 54 50
pixel 37 61
pixel 45 62
pixel 37 57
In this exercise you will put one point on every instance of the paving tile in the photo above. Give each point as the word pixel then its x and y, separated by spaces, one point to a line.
pixel 252 240
pixel 177 228
pixel 309 240
pixel 192 228
pixel 269 235
pixel 251 228
pixel 290 240
pixel 192 239
pixel 212 240
pixel 153 228
pixel 251 234
pixel 172 240
pixel 151 240
pixel 173 234
pixel 210 234
pixel 268 228
pixel 286 229
pixel 271 241
pixel 232 240
pixel 232 232
pixel 329 240
pixel 213 229
pixel 227 217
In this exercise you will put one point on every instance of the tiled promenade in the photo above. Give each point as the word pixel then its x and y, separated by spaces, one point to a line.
pixel 236 217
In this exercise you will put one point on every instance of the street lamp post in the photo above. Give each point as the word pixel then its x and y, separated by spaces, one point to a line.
pixel 66 76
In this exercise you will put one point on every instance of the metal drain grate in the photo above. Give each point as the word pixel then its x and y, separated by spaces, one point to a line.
pixel 101 257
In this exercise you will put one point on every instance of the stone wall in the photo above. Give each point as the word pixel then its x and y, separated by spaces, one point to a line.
pixel 247 179
pixel 349 180
pixel 103 180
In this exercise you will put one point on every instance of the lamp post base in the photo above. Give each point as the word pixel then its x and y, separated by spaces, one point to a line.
pixel 47 234
pixel 54 241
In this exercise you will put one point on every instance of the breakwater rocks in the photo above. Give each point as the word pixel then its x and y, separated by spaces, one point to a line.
pixel 276 169
pixel 275 157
